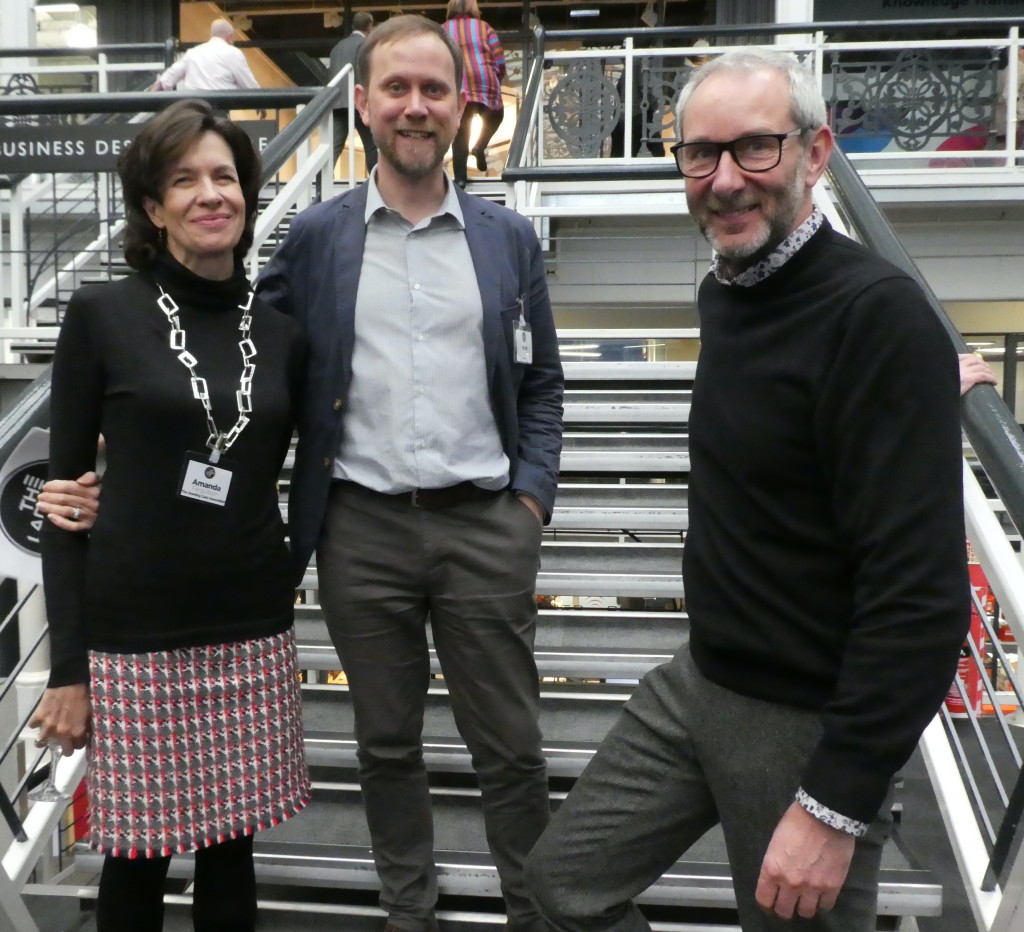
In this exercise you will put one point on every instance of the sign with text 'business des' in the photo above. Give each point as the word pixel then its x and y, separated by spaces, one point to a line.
pixel 826 11
pixel 96 147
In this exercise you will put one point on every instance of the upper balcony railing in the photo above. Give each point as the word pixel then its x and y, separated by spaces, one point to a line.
pixel 928 111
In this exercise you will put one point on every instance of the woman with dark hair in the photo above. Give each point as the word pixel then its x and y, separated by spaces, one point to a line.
pixel 172 650
pixel 484 61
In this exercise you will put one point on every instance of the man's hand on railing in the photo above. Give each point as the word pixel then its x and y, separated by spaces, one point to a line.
pixel 71 504
pixel 973 370
pixel 63 716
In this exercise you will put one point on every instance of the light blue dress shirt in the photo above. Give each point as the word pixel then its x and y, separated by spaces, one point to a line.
pixel 418 413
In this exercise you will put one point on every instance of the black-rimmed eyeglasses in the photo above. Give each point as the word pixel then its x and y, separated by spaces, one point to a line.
pixel 760 153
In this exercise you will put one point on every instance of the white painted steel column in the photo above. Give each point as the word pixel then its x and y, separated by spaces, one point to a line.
pixel 794 11
pixel 13 913
pixel 17 280
pixel 19 21
pixel 32 679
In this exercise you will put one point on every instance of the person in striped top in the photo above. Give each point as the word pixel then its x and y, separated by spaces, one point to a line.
pixel 484 70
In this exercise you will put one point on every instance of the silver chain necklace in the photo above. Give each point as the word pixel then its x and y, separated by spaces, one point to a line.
pixel 219 441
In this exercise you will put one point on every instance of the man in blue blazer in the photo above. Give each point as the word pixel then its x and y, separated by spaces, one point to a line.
pixel 429 442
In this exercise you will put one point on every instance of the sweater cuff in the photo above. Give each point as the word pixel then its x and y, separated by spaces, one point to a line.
pixel 830 817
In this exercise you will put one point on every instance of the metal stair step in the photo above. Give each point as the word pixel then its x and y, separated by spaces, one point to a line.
pixel 603 371
pixel 580 713
pixel 596 663
pixel 630 506
pixel 599 568
pixel 567 628
pixel 327 846
pixel 630 406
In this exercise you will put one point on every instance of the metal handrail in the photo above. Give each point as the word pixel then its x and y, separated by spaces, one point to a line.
pixel 917 26
pixel 91 51
pixel 151 101
pixel 531 94
pixel 991 428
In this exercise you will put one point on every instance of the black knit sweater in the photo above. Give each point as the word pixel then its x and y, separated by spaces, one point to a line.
pixel 159 571
pixel 825 562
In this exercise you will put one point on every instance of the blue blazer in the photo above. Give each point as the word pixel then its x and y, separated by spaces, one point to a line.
pixel 314 276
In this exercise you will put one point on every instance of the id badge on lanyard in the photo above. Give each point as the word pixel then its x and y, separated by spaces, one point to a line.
pixel 205 482
pixel 523 338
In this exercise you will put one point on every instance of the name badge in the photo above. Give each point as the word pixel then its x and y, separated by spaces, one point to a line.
pixel 205 482
pixel 524 342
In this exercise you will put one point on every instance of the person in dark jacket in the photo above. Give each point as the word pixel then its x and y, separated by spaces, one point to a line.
pixel 171 641
pixel 345 53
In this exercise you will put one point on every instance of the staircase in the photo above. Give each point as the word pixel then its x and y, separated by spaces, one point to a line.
pixel 611 593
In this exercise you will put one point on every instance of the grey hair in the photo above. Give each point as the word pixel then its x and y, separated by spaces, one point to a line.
pixel 806 105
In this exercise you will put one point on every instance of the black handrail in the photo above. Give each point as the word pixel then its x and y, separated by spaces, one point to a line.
pixel 151 101
pixel 91 51
pixel 281 147
pixel 994 434
pixel 531 95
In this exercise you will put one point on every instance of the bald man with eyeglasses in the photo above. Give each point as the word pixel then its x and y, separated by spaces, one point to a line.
pixel 824 570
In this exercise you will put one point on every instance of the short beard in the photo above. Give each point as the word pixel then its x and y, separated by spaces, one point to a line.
pixel 777 226
pixel 414 171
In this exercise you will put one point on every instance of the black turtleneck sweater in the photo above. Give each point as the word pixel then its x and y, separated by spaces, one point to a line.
pixel 159 571
pixel 825 563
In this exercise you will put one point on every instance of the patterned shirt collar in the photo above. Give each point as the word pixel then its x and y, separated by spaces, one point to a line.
pixel 777 258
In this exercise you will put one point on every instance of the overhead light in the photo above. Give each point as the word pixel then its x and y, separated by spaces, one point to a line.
pixel 59 7
pixel 578 13
pixel 81 36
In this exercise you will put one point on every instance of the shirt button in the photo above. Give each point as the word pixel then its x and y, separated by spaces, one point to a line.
pixel 327 463
pixel 416 287
pixel 419 336
pixel 338 404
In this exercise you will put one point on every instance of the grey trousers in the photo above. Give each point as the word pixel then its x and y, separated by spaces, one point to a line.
pixel 684 755
pixel 385 566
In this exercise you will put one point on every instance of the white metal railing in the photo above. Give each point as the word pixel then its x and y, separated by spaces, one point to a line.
pixel 98 72
pixel 924 143
pixel 40 821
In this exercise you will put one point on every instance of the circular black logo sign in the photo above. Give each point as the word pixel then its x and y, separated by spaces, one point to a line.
pixel 19 519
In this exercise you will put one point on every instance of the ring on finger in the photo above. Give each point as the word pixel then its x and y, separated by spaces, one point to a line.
pixel 76 513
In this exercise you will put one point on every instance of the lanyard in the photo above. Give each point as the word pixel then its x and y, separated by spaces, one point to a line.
pixel 218 442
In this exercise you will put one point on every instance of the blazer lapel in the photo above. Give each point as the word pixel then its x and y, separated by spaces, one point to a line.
pixel 486 246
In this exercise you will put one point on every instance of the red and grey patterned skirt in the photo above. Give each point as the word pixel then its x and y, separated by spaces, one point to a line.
pixel 194 746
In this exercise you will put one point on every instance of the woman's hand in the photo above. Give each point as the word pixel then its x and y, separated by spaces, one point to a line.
pixel 71 504
pixel 63 716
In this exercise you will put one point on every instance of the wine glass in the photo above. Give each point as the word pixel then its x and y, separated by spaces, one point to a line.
pixel 47 791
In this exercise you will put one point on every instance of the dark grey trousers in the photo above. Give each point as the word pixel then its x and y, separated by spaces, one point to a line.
pixel 384 566
pixel 684 755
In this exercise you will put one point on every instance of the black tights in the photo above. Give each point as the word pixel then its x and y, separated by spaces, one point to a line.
pixel 131 897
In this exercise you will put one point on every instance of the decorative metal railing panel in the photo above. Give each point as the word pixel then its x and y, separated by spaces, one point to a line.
pixel 887 102
pixel 918 98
